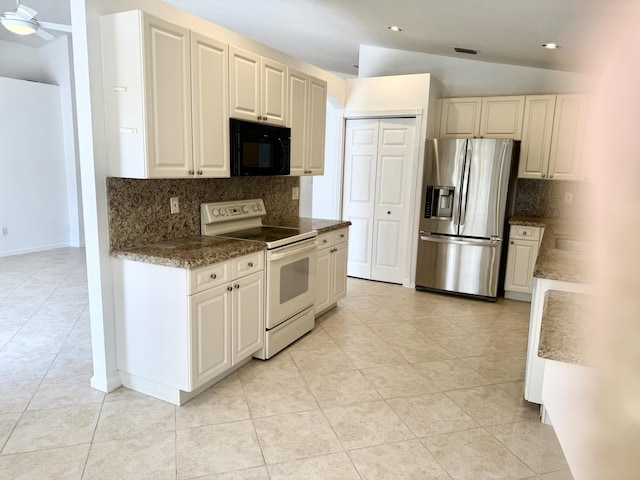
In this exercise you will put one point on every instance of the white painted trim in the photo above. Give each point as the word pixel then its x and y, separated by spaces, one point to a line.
pixel 408 112
pixel 108 385
pixel 40 248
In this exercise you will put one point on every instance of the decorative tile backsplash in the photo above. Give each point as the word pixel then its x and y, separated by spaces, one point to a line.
pixel 139 210
pixel 545 198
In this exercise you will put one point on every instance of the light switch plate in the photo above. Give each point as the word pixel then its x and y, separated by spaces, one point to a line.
pixel 295 193
pixel 174 204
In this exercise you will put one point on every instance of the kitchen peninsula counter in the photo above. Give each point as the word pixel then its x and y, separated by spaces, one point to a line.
pixel 199 250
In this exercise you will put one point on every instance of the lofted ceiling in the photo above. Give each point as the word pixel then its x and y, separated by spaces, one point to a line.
pixel 328 33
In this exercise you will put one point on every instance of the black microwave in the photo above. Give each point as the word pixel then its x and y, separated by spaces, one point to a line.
pixel 259 149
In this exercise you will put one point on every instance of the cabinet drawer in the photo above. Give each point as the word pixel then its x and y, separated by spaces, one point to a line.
pixel 210 276
pixel 339 236
pixel 247 264
pixel 522 232
pixel 324 240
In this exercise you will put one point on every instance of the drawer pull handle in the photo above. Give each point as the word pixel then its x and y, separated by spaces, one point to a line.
pixel 213 276
pixel 236 286
pixel 342 235
pixel 324 241
pixel 250 264
pixel 230 289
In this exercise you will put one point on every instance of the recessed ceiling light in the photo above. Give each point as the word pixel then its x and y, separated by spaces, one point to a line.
pixel 394 28
pixel 551 46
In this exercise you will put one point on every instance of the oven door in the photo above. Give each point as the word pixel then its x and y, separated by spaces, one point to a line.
pixel 291 280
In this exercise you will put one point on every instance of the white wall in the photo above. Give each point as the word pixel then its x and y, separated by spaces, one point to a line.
pixel 461 77
pixel 19 61
pixel 33 185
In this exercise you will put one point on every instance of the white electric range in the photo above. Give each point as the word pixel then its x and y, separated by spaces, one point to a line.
pixel 291 265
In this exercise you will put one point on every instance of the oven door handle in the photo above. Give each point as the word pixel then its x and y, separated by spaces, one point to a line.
pixel 293 251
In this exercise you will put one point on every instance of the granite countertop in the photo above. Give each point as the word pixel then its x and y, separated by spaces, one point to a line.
pixel 199 250
pixel 564 334
pixel 554 263
pixel 189 252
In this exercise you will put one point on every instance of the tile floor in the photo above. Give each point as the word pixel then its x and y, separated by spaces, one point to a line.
pixel 393 384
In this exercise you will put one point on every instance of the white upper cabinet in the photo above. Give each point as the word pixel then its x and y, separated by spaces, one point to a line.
pixel 501 117
pixel 482 117
pixel 165 99
pixel 307 119
pixel 460 117
pixel 257 88
pixel 553 137
pixel 209 80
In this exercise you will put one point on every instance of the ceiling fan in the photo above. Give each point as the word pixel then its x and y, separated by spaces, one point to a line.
pixel 22 21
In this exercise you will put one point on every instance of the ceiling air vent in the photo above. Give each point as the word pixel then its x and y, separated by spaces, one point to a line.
pixel 468 51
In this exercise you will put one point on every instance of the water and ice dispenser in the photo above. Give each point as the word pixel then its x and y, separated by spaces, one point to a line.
pixel 439 202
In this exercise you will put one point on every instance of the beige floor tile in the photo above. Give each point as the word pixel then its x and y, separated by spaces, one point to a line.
pixel 341 388
pixel 147 456
pixel 367 424
pixel 515 389
pixel 279 396
pixel 402 460
pixel 421 349
pixel 561 475
pixel 134 418
pixel 431 414
pixel 7 423
pixel 216 449
pixel 500 367
pixel 534 443
pixel 56 463
pixel 322 361
pixel 488 405
pixel 369 355
pixel 280 366
pixel 398 381
pixel 336 466
pixel 338 318
pixel 59 427
pixel 345 335
pixel 257 473
pixel 475 454
pixel 15 397
pixel 65 392
pixel 316 338
pixel 451 374
pixel 211 408
pixel 398 331
pixel 295 436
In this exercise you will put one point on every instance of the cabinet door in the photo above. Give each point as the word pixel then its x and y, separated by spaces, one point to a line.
pixel 168 98
pixel 339 268
pixel 248 316
pixel 501 117
pixel 274 92
pixel 316 125
pixel 521 259
pixel 298 117
pixel 244 85
pixel 210 320
pixel 460 117
pixel 568 137
pixel 323 280
pixel 209 84
pixel 536 136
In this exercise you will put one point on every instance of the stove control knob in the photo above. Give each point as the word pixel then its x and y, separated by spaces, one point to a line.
pixel 215 212
pixel 223 211
pixel 245 209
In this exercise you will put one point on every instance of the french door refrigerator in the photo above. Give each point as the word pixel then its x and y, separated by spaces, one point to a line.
pixel 465 190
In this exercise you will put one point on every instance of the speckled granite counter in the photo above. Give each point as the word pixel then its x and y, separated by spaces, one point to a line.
pixel 198 250
pixel 319 224
pixel 189 252
pixel 554 263
pixel 564 334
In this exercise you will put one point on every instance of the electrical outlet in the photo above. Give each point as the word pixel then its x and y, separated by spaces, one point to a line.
pixel 175 205
pixel 568 197
pixel 5 231
pixel 295 193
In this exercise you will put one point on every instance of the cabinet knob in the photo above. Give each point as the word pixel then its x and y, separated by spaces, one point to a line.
pixel 512 242
pixel 213 276
pixel 550 176
pixel 230 289
pixel 250 264
pixel 265 118
pixel 199 172
pixel 342 235
pixel 388 212
pixel 236 286
pixel 543 175
pixel 259 117
pixel 191 172
pixel 324 241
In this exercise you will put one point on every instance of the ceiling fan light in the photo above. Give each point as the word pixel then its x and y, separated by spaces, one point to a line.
pixel 19 26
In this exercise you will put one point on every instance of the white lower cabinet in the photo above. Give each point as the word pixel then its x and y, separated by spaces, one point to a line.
pixel 521 260
pixel 332 269
pixel 179 331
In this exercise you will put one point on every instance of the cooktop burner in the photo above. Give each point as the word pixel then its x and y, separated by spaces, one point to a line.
pixel 263 234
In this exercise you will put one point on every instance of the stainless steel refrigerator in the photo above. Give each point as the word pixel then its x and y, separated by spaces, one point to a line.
pixel 465 190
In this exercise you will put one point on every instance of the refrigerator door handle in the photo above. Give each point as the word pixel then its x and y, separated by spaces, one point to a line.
pixel 480 242
pixel 466 175
pixel 459 191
